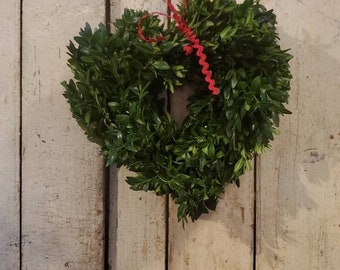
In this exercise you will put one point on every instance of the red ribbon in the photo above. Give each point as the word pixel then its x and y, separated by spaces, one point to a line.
pixel 190 35
pixel 140 31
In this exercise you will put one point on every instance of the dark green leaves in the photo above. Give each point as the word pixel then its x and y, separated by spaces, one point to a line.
pixel 120 85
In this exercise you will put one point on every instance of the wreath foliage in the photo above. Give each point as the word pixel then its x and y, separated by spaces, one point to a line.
pixel 117 97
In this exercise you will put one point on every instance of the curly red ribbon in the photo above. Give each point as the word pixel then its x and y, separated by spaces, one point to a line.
pixel 190 35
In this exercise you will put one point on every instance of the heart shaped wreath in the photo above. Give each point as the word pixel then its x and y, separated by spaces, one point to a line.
pixel 117 95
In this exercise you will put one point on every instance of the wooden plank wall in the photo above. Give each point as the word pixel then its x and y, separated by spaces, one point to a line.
pixel 221 240
pixel 298 205
pixel 137 219
pixel 9 133
pixel 62 203
pixel 299 192
pixel 224 238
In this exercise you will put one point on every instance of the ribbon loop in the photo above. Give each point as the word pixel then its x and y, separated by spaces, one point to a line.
pixel 140 30
pixel 190 35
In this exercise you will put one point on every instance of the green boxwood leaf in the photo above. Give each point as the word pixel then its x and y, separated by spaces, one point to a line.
pixel 161 65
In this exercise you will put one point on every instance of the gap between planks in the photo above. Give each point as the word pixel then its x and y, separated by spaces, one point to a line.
pixel 20 134
pixel 107 177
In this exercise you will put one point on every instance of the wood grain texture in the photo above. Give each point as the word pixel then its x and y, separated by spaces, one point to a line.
pixel 299 202
pixel 9 134
pixel 137 221
pixel 118 6
pixel 220 240
pixel 139 239
pixel 62 210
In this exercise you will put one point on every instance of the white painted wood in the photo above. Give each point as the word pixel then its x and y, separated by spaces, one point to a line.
pixel 137 220
pixel 62 172
pixel 118 6
pixel 9 133
pixel 222 239
pixel 299 202
pixel 219 240
pixel 139 230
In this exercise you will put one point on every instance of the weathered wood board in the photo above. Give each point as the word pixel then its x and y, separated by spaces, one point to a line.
pixel 220 240
pixel 298 203
pixel 298 225
pixel 9 134
pixel 137 219
pixel 62 198
pixel 138 228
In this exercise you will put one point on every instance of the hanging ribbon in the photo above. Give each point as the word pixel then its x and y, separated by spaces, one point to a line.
pixel 190 35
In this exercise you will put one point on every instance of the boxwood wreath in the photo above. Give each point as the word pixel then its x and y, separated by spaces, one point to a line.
pixel 117 96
